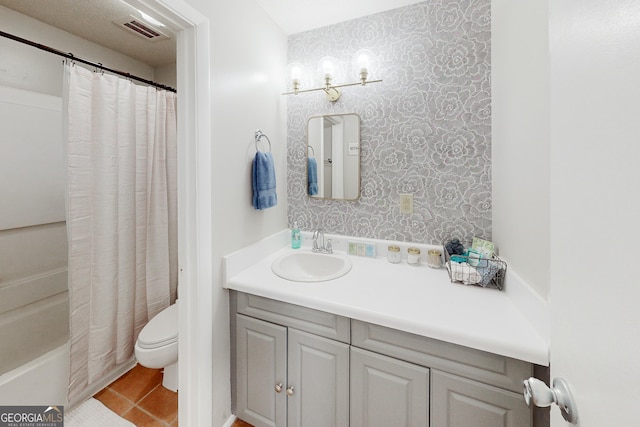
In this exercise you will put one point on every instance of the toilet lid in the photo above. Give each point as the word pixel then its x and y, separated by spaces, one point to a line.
pixel 162 330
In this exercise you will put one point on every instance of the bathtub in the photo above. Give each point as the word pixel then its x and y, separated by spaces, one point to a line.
pixel 42 381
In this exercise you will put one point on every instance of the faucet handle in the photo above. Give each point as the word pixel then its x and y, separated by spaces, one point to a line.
pixel 328 247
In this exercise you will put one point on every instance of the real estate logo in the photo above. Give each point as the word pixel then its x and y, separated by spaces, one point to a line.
pixel 31 416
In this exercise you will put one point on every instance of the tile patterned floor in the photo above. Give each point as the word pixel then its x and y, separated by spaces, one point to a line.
pixel 139 397
pixel 240 423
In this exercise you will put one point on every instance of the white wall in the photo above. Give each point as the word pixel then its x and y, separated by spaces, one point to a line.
pixel 520 137
pixel 31 159
pixel 166 75
pixel 26 67
pixel 248 60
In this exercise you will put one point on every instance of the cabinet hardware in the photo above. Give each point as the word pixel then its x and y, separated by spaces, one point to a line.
pixel 290 391
pixel 278 387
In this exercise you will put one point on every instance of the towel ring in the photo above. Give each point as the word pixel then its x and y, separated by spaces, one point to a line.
pixel 259 136
pixel 312 150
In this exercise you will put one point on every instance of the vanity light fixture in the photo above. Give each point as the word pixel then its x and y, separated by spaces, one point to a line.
pixel 296 72
pixel 332 91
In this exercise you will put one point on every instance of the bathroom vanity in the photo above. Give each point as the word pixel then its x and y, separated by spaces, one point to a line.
pixel 296 366
pixel 384 345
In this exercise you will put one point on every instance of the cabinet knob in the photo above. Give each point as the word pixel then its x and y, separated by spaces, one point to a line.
pixel 278 387
pixel 290 391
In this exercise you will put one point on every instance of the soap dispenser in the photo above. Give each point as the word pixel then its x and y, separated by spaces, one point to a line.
pixel 296 239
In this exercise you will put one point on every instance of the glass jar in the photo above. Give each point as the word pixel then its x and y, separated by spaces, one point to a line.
pixel 393 254
pixel 433 258
pixel 413 256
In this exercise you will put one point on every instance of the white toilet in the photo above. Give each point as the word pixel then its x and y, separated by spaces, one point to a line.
pixel 157 345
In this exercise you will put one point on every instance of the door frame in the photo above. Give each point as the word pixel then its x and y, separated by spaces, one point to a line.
pixel 195 323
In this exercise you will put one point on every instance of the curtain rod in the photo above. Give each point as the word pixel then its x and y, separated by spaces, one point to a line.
pixel 84 61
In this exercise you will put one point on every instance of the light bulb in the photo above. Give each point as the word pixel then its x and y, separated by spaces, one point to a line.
pixel 327 68
pixel 296 72
pixel 363 61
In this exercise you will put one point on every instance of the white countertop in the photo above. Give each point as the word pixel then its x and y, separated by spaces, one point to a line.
pixel 419 300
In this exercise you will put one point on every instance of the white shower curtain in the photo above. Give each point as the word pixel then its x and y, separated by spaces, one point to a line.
pixel 121 217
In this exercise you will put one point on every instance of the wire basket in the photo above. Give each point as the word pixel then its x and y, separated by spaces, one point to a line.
pixel 471 270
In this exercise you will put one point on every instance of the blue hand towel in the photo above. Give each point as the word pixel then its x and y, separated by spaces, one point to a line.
pixel 264 181
pixel 312 170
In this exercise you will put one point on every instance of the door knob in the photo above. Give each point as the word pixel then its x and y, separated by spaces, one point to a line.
pixel 278 387
pixel 542 396
pixel 290 391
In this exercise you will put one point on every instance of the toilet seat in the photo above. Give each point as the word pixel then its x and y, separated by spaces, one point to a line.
pixel 161 331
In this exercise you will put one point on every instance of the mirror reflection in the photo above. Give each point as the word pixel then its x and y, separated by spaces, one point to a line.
pixel 333 151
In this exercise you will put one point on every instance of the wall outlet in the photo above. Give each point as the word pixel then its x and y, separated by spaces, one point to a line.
pixel 406 203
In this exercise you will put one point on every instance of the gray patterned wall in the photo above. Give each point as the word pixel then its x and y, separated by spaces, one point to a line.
pixel 426 129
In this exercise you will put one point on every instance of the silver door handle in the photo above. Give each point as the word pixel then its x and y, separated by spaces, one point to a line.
pixel 290 391
pixel 278 387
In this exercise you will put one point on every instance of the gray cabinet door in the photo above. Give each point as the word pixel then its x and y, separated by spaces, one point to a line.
pixel 318 375
pixel 261 364
pixel 459 402
pixel 388 392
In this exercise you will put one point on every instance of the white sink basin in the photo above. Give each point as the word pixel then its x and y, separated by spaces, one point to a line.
pixel 311 267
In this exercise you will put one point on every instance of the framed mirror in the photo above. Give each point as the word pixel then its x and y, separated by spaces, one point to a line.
pixel 333 152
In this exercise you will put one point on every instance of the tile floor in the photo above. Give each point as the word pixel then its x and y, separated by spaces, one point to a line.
pixel 240 423
pixel 139 397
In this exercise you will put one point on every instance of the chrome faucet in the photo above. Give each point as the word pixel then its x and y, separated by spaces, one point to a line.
pixel 317 235
pixel 318 243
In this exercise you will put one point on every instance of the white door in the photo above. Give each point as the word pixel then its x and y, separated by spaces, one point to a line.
pixel 595 215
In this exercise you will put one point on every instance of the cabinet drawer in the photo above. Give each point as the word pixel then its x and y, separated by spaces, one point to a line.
pixel 488 368
pixel 291 315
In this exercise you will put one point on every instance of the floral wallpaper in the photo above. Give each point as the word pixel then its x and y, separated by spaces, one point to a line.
pixel 425 130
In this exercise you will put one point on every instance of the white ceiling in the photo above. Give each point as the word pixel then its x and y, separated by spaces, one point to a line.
pixel 92 20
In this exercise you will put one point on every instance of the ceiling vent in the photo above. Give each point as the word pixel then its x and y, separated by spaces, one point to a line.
pixel 141 28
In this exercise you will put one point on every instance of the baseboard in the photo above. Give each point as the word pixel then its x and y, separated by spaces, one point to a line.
pixel 232 419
